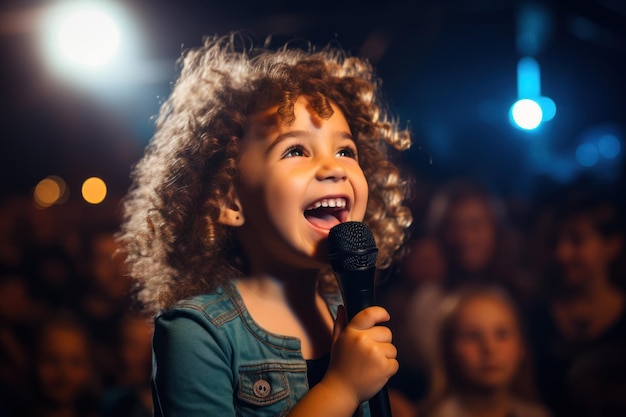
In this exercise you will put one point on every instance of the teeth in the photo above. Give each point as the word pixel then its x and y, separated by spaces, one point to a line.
pixel 328 202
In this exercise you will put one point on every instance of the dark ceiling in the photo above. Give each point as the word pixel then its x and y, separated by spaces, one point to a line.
pixel 448 70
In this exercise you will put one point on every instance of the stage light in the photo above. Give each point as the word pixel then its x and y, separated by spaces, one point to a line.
pixel 587 154
pixel 86 41
pixel 94 190
pixel 88 37
pixel 531 109
pixel 526 114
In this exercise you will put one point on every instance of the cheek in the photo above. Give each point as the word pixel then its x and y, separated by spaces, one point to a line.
pixel 466 355
pixel 361 194
pixel 594 255
pixel 513 353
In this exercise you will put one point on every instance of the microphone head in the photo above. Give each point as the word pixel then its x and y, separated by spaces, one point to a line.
pixel 351 247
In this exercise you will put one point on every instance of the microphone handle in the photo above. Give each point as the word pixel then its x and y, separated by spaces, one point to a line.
pixel 379 404
pixel 359 298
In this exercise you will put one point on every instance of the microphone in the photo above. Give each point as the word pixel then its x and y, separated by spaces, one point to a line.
pixel 352 254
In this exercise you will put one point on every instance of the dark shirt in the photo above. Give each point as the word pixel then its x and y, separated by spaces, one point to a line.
pixel 316 368
pixel 577 378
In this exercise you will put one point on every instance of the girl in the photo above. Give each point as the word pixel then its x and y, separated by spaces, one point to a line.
pixel 257 155
pixel 483 369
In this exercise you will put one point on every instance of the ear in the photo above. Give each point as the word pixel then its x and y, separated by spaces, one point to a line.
pixel 231 212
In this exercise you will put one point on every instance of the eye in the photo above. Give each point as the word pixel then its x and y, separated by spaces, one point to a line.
pixel 469 336
pixel 293 151
pixel 347 153
pixel 503 334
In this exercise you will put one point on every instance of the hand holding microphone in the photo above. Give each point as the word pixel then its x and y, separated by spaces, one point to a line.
pixel 352 254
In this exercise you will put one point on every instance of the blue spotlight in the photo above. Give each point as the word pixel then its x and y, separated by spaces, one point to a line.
pixel 528 78
pixel 526 114
pixel 609 146
pixel 587 154
pixel 532 108
pixel 548 107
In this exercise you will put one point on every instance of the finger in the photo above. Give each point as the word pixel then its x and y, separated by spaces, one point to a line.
pixel 390 351
pixel 380 334
pixel 369 317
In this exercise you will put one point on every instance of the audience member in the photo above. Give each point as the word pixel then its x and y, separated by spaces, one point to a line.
pixel 473 230
pixel 64 381
pixel 580 329
pixel 483 367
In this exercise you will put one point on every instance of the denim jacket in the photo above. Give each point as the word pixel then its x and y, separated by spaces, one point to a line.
pixel 211 359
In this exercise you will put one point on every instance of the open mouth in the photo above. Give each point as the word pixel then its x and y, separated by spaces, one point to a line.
pixel 327 212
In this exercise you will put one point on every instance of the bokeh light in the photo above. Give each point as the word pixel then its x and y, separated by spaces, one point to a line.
pixel 87 41
pixel 88 37
pixel 94 190
pixel 528 78
pixel 526 114
pixel 49 191
pixel 609 146
pixel 587 154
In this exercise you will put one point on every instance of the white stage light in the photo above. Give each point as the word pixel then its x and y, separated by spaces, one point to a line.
pixel 526 114
pixel 88 37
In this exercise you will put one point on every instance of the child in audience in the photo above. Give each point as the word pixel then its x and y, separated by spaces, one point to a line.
pixel 483 369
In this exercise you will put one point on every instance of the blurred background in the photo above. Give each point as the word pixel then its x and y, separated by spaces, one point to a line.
pixel 525 98
pixel 449 68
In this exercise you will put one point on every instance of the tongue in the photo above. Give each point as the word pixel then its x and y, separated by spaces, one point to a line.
pixel 321 219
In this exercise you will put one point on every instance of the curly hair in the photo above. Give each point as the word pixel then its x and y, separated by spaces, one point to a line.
pixel 175 247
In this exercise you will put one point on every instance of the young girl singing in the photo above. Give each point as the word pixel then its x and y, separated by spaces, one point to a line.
pixel 258 154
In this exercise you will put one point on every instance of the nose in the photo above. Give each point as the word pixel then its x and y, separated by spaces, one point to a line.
pixel 330 169
pixel 488 345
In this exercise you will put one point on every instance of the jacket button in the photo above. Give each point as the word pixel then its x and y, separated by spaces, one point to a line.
pixel 261 388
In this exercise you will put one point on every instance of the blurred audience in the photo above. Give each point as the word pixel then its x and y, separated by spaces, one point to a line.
pixel 413 295
pixel 580 327
pixel 64 381
pixel 70 345
pixel 18 313
pixel 131 394
pixel 472 227
pixel 105 298
pixel 466 240
pixel 482 367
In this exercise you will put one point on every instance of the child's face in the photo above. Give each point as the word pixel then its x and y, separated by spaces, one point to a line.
pixel 486 344
pixel 582 254
pixel 296 182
